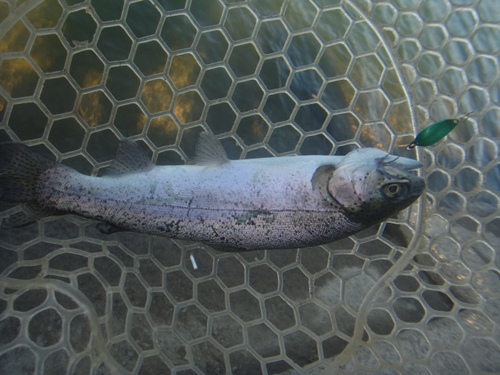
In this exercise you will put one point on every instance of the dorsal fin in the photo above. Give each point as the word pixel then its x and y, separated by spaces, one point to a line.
pixel 209 151
pixel 130 158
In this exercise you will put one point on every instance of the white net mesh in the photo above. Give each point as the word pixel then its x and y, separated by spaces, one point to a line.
pixel 417 294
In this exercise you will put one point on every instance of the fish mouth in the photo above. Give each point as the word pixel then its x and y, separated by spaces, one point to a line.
pixel 418 186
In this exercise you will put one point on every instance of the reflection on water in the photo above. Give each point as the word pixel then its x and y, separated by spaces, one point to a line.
pixel 184 70
pixel 178 32
pixel 15 38
pixel 86 69
pixel 45 15
pixel 52 62
pixel 94 108
pixel 163 131
pixel 18 77
pixel 188 107
pixel 157 96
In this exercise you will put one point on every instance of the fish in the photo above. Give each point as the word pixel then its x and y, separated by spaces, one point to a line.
pixel 232 205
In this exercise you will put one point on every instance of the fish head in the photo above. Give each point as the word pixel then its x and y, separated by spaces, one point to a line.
pixel 371 184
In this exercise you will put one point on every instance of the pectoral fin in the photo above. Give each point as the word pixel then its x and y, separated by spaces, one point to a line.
pixel 17 220
pixel 106 228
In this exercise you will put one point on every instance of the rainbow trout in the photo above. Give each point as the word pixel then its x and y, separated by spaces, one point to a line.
pixel 266 203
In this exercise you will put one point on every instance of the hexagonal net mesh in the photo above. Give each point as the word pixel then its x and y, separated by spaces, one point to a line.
pixel 417 294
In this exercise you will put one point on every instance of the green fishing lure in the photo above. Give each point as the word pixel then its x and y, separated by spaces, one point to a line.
pixel 435 132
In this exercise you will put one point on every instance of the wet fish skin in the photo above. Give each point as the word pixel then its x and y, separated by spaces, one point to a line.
pixel 250 204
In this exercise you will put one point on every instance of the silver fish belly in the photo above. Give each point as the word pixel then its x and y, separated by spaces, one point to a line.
pixel 251 204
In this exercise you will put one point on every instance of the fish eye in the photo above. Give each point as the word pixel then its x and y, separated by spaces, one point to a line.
pixel 393 190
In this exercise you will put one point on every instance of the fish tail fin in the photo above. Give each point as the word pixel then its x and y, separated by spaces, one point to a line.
pixel 20 170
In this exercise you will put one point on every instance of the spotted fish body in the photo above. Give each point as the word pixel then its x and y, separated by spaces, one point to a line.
pixel 250 204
